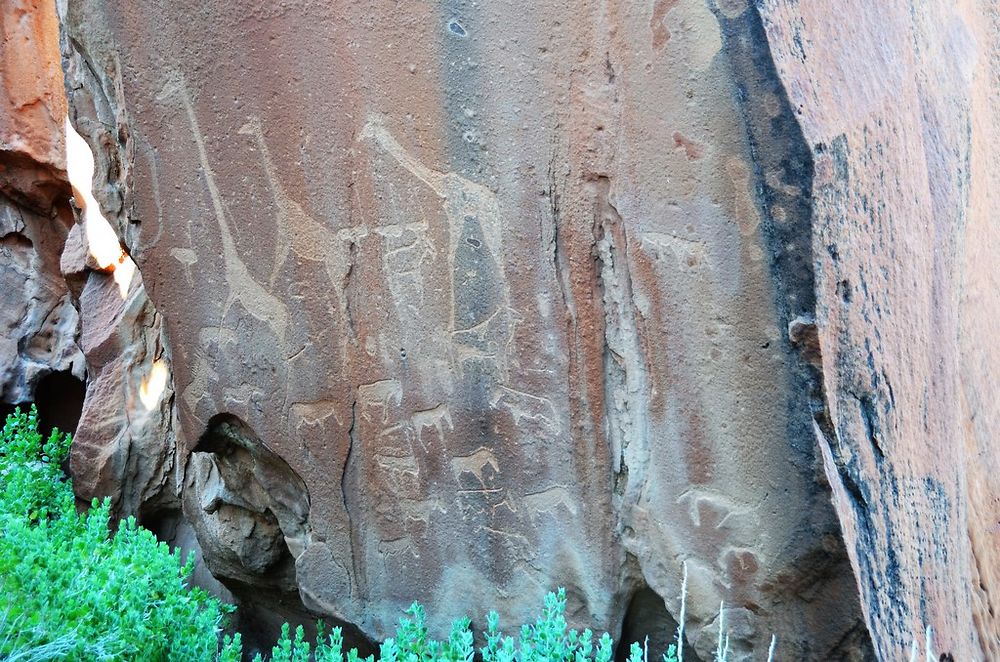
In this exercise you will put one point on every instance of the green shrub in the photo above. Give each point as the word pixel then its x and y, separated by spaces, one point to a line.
pixel 69 588
pixel 549 640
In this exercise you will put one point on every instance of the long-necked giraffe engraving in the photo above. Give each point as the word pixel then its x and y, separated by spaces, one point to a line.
pixel 300 233
pixel 462 198
pixel 482 329
pixel 254 298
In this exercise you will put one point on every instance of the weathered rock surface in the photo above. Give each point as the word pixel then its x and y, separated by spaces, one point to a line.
pixel 899 108
pixel 32 151
pixel 52 267
pixel 38 322
pixel 498 290
pixel 462 302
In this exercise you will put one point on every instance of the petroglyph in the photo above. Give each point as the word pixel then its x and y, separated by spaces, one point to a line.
pixel 398 465
pixel 548 501
pixel 432 418
pixel 254 298
pixel 491 339
pixel 522 405
pixel 197 388
pixel 400 476
pixel 313 413
pixel 243 396
pixel 202 372
pixel 390 549
pixel 519 548
pixel 302 234
pixel 408 248
pixel 420 510
pixel 396 440
pixel 475 464
pixel 686 251
pixel 379 395
pixel 720 509
pixel 220 336
pixel 464 200
pixel 188 258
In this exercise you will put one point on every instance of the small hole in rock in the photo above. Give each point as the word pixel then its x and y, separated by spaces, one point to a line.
pixel 59 397
pixel 647 616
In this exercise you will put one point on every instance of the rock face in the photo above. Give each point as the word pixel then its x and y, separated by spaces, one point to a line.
pixel 504 298
pixel 463 302
pixel 899 108
pixel 69 313
pixel 38 322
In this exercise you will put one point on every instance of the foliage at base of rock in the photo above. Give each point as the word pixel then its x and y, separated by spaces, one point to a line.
pixel 70 588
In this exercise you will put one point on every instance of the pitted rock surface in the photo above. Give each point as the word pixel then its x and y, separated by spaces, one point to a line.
pixel 500 292
pixel 462 302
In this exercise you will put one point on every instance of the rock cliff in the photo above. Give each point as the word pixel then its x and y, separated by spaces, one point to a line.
pixel 464 301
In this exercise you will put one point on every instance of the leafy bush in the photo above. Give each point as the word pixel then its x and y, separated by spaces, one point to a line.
pixel 69 588
pixel 549 640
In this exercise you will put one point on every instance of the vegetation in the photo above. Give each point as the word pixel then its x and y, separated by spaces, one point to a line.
pixel 71 589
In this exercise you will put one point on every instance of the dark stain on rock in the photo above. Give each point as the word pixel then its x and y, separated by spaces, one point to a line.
pixel 783 176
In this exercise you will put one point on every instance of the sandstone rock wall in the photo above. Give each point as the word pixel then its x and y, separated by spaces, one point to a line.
pixel 69 313
pixel 899 108
pixel 38 322
pixel 503 290
pixel 462 302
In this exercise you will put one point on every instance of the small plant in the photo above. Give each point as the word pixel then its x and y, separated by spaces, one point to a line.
pixel 69 588
pixel 549 639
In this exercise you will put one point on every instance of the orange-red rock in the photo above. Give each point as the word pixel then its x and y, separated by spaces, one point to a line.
pixel 464 302
pixel 897 103
pixel 449 265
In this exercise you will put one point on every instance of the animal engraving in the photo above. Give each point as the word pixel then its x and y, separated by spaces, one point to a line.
pixel 398 547
pixel 432 418
pixel 475 464
pixel 524 405
pixel 254 298
pixel 400 475
pixel 463 200
pixel 548 501
pixel 302 234
pixel 379 395
pixel 187 258
pixel 308 414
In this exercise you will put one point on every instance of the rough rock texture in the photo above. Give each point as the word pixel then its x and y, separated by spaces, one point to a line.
pixel 51 270
pixel 899 109
pixel 38 322
pixel 465 301
pixel 505 291
pixel 32 171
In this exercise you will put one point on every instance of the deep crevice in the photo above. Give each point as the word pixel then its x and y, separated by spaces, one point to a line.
pixel 59 397
pixel 648 622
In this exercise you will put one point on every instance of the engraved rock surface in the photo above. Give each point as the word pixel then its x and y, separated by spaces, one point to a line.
pixel 502 291
pixel 461 302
